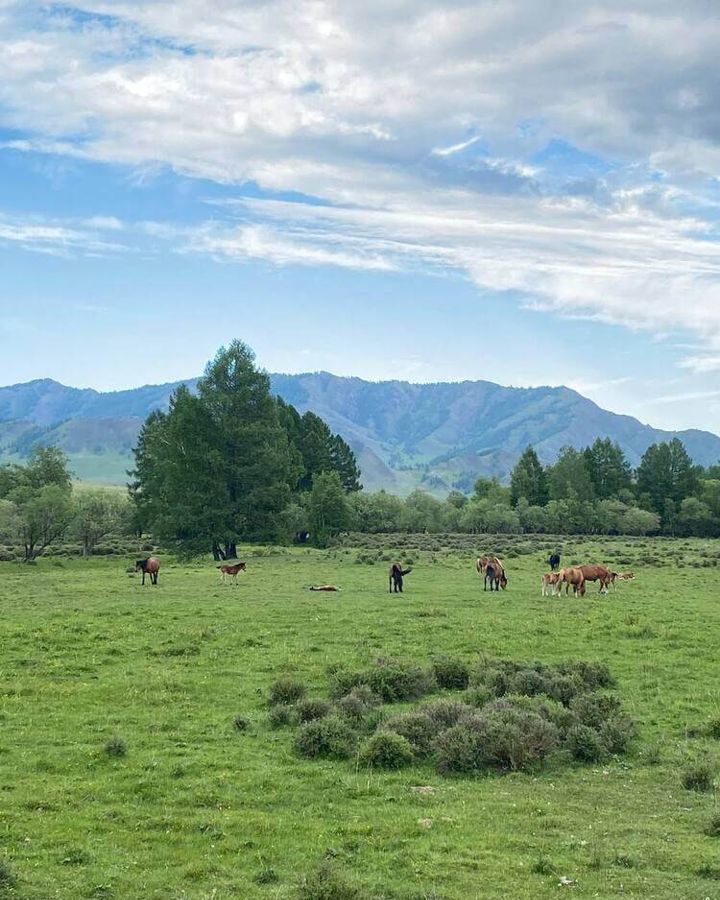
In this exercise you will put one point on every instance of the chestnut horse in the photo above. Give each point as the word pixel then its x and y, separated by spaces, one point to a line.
pixel 231 570
pixel 149 566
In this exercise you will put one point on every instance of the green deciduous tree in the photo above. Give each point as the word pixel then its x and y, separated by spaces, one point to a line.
pixel 569 477
pixel 97 514
pixel 667 472
pixel 328 507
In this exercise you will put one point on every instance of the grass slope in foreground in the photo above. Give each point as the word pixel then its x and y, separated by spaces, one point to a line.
pixel 187 806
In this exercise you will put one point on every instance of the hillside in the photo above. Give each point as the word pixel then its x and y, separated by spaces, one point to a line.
pixel 437 436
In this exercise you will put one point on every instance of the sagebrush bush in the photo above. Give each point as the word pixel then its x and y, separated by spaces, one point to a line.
pixel 584 744
pixel 331 737
pixel 617 734
pixel 116 746
pixel 286 691
pixel 478 696
pixel 712 829
pixel 595 708
pixel 241 722
pixel 313 708
pixel 7 876
pixel 326 883
pixel 699 777
pixel 395 681
pixel 445 712
pixel 280 716
pixel 386 750
pixel 416 727
pixel 506 739
pixel 342 682
pixel 451 673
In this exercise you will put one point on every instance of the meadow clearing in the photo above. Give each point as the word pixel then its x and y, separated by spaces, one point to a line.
pixel 191 807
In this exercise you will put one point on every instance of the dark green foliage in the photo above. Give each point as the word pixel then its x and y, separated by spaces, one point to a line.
pixel 116 746
pixel 357 703
pixel 266 876
pixel 281 715
pixel 286 691
pixel 584 744
pixel 416 727
pixel 712 829
pixel 241 722
pixel 313 708
pixel 445 713
pixel 543 866
pixel 593 709
pixel 617 733
pixel 7 876
pixel 326 883
pixel 529 480
pixel 708 871
pixel 451 673
pixel 395 681
pixel 328 510
pixel 387 750
pixel 699 777
pixel 505 739
pixel 666 472
pixel 331 737
pixel 609 470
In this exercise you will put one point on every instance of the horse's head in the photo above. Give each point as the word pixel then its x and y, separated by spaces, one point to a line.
pixel 140 565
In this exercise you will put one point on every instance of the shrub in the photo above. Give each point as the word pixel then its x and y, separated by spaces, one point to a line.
pixel 584 744
pixel 395 681
pixel 445 713
pixel 7 876
pixel 616 734
pixel 286 691
pixel 331 737
pixel 508 739
pixel 594 709
pixel 714 729
pixel 451 673
pixel 478 696
pixel 313 708
pixel 386 750
pixel 417 728
pixel 592 675
pixel 266 876
pixel 280 716
pixel 357 703
pixel 712 829
pixel 699 778
pixel 241 722
pixel 327 884
pixel 116 746
pixel 343 682
pixel 528 682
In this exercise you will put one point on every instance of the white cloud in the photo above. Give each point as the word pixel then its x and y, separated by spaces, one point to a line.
pixel 368 106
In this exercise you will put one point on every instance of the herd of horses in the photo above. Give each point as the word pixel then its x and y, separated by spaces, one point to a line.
pixel 489 568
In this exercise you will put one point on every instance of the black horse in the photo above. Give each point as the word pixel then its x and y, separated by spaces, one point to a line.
pixel 554 562
pixel 397 573
pixel 302 537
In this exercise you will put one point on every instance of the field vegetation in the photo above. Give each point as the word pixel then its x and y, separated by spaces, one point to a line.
pixel 151 737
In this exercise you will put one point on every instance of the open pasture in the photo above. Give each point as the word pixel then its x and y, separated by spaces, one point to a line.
pixel 123 776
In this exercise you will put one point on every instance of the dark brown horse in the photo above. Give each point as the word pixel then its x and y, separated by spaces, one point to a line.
pixel 397 573
pixel 495 574
pixel 231 570
pixel 149 566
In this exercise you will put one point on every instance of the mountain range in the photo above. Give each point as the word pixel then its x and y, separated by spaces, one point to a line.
pixel 434 436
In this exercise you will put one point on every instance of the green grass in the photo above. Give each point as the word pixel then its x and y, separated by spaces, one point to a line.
pixel 197 808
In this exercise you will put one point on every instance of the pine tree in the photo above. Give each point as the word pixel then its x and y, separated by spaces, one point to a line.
pixel 529 480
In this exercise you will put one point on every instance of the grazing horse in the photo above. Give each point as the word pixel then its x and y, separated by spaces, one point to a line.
pixel 231 570
pixel 597 573
pixel 396 575
pixel 482 562
pixel 149 566
pixel 495 574
pixel 549 582
pixel 571 577
pixel 554 562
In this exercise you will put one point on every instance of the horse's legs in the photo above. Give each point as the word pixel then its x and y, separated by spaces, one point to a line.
pixel 143 580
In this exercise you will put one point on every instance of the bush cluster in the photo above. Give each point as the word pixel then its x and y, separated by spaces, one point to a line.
pixel 509 715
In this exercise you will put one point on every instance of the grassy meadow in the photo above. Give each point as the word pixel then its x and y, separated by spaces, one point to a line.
pixel 198 809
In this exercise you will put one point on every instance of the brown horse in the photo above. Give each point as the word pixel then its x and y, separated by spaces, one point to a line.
pixel 231 570
pixel 495 574
pixel 482 562
pixel 396 575
pixel 571 577
pixel 323 587
pixel 149 566
pixel 597 573
pixel 549 582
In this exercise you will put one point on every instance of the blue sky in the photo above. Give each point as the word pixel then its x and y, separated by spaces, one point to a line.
pixel 523 192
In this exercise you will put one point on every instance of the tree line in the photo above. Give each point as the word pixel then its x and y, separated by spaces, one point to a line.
pixel 232 463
